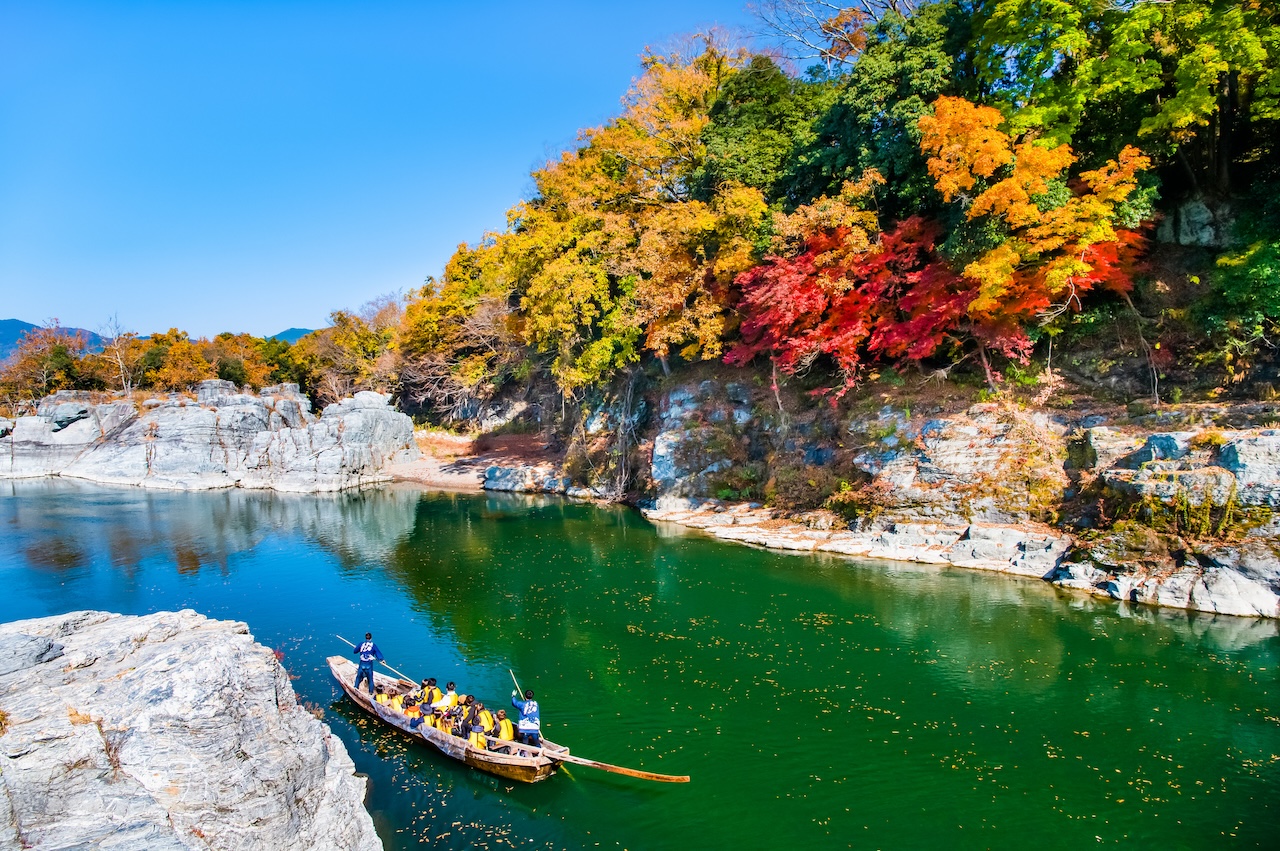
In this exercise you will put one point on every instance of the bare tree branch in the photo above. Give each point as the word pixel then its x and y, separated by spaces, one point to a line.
pixel 832 33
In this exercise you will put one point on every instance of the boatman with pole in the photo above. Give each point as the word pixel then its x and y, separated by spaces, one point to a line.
pixel 530 725
pixel 368 653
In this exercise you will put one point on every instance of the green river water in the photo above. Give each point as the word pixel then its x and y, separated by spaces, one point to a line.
pixel 816 702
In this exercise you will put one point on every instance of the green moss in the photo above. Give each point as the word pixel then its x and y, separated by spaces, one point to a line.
pixel 1182 516
pixel 1212 439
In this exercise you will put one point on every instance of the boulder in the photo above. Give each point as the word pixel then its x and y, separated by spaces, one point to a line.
pixel 270 440
pixel 526 479
pixel 168 731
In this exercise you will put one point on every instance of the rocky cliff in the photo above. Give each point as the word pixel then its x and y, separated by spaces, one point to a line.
pixel 1176 508
pixel 222 438
pixel 169 731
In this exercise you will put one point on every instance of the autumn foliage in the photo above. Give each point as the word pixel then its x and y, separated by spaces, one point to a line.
pixel 951 183
pixel 896 299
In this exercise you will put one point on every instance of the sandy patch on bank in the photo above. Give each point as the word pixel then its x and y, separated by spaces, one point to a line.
pixel 458 462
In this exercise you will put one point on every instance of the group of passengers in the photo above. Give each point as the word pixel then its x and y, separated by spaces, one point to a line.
pixel 460 715
pixel 463 716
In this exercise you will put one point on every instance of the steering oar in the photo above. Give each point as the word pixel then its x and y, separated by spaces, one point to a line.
pixel 603 766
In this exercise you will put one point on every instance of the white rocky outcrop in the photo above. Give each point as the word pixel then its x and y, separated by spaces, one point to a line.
pixel 978 489
pixel 1228 581
pixel 168 731
pixel 1004 549
pixel 223 438
pixel 531 478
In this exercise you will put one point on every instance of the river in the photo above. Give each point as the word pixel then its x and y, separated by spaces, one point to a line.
pixel 816 702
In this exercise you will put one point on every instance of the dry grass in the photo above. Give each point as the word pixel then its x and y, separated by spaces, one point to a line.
pixel 77 717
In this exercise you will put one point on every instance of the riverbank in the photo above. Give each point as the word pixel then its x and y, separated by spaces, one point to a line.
pixel 1175 507
pixel 168 730
pixel 461 462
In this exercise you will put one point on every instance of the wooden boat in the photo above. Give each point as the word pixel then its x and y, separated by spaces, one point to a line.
pixel 540 763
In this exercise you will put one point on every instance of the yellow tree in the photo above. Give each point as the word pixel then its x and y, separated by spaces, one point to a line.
pixel 238 358
pixel 590 274
pixel 684 264
pixel 184 365
pixel 46 360
pixel 1048 251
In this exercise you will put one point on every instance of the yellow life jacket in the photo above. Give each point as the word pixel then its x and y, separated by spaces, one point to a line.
pixel 506 731
pixel 477 740
pixel 485 720
pixel 397 703
pixel 446 702
pixel 431 695
pixel 428 720
pixel 382 698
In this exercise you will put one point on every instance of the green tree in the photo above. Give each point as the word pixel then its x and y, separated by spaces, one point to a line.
pixel 759 118
pixel 1197 81
pixel 872 123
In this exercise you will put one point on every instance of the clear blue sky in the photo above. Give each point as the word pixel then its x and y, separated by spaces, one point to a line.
pixel 250 166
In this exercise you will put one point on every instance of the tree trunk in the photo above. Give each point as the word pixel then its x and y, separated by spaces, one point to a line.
pixel 986 368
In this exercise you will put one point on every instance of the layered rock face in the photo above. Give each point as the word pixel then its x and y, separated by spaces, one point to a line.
pixel 989 488
pixel 221 439
pixel 169 731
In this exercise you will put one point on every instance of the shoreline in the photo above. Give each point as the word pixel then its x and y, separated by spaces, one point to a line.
pixel 1031 551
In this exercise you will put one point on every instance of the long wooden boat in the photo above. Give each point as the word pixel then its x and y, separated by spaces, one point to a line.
pixel 540 763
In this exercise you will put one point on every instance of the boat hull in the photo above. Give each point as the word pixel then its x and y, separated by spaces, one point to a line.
pixel 522 769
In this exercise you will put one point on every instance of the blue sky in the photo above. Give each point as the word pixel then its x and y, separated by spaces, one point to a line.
pixel 250 166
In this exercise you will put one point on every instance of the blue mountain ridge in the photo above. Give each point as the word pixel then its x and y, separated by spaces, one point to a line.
pixel 11 331
pixel 291 335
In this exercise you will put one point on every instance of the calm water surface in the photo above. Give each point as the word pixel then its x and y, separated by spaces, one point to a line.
pixel 817 703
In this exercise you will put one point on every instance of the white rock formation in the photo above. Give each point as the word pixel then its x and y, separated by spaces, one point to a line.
pixel 222 439
pixel 535 478
pixel 168 731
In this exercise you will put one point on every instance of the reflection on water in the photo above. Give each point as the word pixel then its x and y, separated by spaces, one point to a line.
pixel 65 524
pixel 814 700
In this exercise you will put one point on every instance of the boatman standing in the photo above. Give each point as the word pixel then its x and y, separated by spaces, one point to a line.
pixel 530 725
pixel 368 653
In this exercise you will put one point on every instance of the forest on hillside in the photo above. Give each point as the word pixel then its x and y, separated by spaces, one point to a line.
pixel 916 186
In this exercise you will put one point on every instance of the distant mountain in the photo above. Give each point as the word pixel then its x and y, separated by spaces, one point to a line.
pixel 292 335
pixel 11 331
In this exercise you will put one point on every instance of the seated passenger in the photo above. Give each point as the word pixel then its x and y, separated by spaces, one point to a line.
pixel 446 701
pixel 429 694
pixel 381 696
pixel 503 729
pixel 412 709
pixel 485 719
pixel 397 703
pixel 465 712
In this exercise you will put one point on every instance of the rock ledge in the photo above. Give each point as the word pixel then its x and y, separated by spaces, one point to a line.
pixel 167 731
